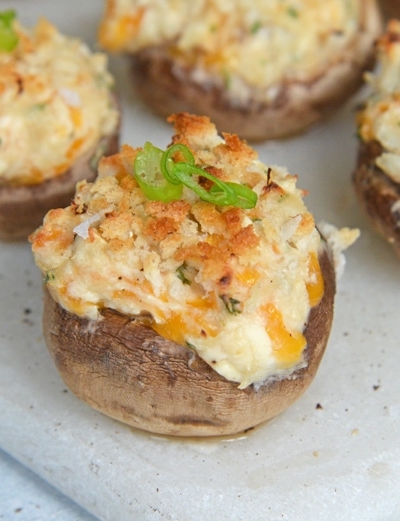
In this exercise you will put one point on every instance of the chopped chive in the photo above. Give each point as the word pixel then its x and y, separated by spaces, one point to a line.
pixel 293 12
pixel 232 305
pixel 256 26
pixel 181 272
pixel 49 275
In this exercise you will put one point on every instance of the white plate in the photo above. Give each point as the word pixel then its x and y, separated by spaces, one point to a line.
pixel 334 455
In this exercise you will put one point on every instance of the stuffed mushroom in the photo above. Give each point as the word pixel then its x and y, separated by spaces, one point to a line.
pixel 262 70
pixel 188 291
pixel 377 175
pixel 58 116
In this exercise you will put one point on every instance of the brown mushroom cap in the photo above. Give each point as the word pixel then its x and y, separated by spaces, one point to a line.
pixel 123 368
pixel 377 194
pixel 299 104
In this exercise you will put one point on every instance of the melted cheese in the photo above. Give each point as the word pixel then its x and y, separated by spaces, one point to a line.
pixel 379 118
pixel 315 285
pixel 236 285
pixel 55 104
pixel 249 47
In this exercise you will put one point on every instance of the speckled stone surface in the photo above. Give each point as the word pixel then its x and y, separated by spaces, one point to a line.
pixel 334 455
pixel 24 496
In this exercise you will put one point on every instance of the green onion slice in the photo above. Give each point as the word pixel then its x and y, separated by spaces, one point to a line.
pixel 161 177
pixel 8 37
pixel 149 177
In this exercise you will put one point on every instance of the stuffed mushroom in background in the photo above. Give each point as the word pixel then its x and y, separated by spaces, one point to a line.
pixel 377 176
pixel 188 291
pixel 262 70
pixel 58 116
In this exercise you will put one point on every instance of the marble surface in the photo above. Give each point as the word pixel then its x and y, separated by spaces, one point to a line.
pixel 24 496
pixel 334 455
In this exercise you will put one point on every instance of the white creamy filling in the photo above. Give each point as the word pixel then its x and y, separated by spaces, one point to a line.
pixel 386 128
pixel 390 164
pixel 242 352
pixel 61 111
pixel 250 44
pixel 381 114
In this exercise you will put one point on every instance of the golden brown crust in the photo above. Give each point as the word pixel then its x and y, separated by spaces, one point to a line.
pixel 123 368
pixel 299 104
pixel 378 194
pixel 23 207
